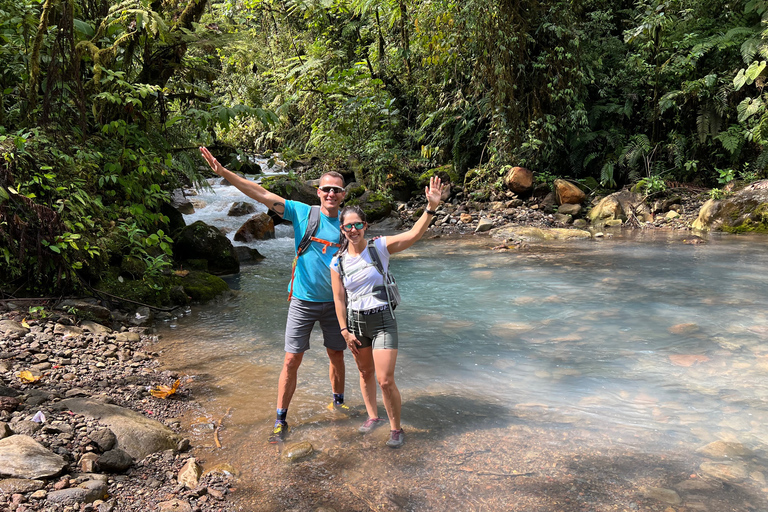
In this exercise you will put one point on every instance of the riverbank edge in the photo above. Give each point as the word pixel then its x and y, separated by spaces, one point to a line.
pixel 47 359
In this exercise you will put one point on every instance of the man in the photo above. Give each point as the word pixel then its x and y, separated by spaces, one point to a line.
pixel 310 289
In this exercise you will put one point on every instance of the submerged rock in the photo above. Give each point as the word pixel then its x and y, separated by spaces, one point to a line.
pixel 725 450
pixel 296 451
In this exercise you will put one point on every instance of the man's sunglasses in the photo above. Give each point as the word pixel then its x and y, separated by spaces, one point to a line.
pixel 357 225
pixel 328 189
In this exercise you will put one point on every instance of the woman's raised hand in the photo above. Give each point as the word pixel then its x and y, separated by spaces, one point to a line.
pixel 215 165
pixel 434 192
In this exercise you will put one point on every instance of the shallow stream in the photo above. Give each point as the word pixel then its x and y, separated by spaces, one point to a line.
pixel 578 376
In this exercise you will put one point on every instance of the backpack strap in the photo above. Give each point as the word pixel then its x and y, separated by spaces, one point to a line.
pixel 312 224
pixel 374 253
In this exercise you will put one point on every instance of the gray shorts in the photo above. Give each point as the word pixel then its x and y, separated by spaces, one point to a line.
pixel 377 330
pixel 302 316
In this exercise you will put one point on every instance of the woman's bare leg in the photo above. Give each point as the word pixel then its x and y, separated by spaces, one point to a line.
pixel 364 360
pixel 384 363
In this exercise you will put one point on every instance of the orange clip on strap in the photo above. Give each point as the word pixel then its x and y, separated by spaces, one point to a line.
pixel 325 244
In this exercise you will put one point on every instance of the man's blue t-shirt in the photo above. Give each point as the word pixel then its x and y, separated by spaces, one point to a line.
pixel 312 279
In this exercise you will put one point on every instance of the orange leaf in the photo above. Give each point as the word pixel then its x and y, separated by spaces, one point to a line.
pixel 181 273
pixel 687 359
pixel 27 376
pixel 165 391
pixel 25 324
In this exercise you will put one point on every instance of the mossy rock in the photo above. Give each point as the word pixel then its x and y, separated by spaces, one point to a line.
pixel 176 220
pixel 291 187
pixel 744 212
pixel 132 266
pixel 445 172
pixel 201 241
pixel 375 205
pixel 354 190
pixel 201 286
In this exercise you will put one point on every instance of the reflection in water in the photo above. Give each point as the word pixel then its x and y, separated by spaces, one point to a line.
pixel 621 346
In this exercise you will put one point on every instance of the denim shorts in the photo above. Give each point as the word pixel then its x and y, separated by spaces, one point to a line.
pixel 302 316
pixel 377 330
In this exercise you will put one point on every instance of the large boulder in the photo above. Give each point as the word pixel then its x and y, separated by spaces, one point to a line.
pixel 375 205
pixel 568 193
pixel 519 180
pixel 23 457
pixel 136 434
pixel 85 309
pixel 241 208
pixel 291 188
pixel 201 241
pixel 181 203
pixel 616 206
pixel 745 211
pixel 258 227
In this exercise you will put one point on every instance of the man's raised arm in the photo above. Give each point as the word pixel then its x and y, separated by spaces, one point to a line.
pixel 250 188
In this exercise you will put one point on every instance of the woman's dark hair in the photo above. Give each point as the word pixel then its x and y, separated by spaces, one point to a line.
pixel 343 240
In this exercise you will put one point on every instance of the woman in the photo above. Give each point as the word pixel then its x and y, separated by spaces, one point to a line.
pixel 362 307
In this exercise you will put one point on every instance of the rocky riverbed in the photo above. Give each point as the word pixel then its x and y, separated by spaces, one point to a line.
pixel 80 428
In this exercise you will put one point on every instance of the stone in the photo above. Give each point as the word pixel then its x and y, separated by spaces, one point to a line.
pixel 532 234
pixel 20 485
pixel 296 451
pixel 9 403
pixel 465 218
pixel 104 438
pixel 375 205
pixel 519 180
pixel 86 310
pixel 201 241
pixel 258 227
pixel 731 472
pixel 114 461
pixel 10 327
pixel 96 489
pixel 26 427
pixel 744 211
pixel 64 497
pixel 88 462
pixel 247 255
pixel 672 215
pixel 23 457
pixel 5 430
pixel 569 209
pixel 484 225
pixel 241 208
pixel 128 337
pixel 189 474
pixel 568 193
pixel 181 203
pixel 95 328
pixel 580 223
pixel 136 434
pixel 614 223
pixel 667 496
pixel 67 331
pixel 561 218
pixel 725 450
pixel 174 506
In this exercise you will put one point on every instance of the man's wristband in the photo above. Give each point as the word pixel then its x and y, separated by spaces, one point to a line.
pixel 430 212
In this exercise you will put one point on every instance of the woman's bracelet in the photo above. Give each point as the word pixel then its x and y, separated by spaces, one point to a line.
pixel 344 329
pixel 430 212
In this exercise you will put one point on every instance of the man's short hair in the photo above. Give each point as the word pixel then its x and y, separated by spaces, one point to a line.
pixel 334 174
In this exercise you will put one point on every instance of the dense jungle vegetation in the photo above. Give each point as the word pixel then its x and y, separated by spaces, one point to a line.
pixel 103 104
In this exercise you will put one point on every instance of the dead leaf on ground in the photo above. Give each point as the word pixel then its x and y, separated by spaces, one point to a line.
pixel 25 324
pixel 181 273
pixel 27 376
pixel 687 359
pixel 164 392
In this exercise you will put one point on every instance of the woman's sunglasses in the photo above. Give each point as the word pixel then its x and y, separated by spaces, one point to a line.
pixel 328 189
pixel 357 225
